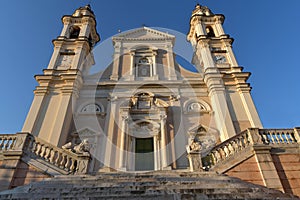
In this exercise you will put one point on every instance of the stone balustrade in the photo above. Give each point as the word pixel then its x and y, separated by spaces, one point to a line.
pixel 226 149
pixel 279 136
pixel 247 138
pixel 7 141
pixel 37 148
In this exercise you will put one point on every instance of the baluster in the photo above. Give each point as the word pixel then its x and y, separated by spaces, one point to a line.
pixel 213 158
pixel 294 140
pixel 230 148
pixel 73 165
pixel 52 156
pixel 280 135
pixel 63 161
pixel 11 142
pixel 247 139
pixel 35 146
pixel 239 143
pixel 271 138
pixel 47 155
pixel 221 152
pixel 217 156
pixel 58 158
pixel 42 151
pixel 6 143
pixel 275 141
pixel 235 145
pixel 38 148
pixel 67 165
pixel 264 137
pixel 284 138
pixel 226 152
pixel 242 142
pixel 1 143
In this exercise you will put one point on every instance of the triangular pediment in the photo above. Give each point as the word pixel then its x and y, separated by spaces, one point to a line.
pixel 144 33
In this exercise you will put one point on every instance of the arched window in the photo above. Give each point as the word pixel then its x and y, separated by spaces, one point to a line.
pixel 144 68
pixel 196 107
pixel 74 32
pixel 210 31
pixel 91 108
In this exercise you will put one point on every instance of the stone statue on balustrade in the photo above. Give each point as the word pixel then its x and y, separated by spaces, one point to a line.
pixel 82 148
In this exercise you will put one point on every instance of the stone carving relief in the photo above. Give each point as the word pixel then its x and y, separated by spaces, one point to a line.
pixel 144 129
pixel 65 61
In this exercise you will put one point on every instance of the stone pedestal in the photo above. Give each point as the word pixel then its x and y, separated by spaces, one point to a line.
pixel 195 161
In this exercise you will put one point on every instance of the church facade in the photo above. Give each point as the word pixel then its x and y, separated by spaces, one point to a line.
pixel 146 112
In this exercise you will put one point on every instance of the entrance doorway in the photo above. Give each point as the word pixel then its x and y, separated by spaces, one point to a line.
pixel 144 154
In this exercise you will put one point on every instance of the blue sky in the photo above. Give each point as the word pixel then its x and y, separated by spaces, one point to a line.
pixel 266 44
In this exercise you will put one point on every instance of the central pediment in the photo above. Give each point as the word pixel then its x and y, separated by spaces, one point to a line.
pixel 142 34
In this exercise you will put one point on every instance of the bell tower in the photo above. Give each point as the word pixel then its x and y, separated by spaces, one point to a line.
pixel 228 90
pixel 50 115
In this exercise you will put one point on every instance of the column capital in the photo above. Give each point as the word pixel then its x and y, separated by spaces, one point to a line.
pixel 125 117
pixel 204 43
pixel 163 117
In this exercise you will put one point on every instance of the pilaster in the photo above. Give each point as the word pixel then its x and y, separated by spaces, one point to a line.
pixel 171 64
pixel 116 62
pixel 109 129
pixel 267 168
pixel 216 88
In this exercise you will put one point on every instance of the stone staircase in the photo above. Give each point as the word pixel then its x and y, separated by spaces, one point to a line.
pixel 145 185
pixel 240 147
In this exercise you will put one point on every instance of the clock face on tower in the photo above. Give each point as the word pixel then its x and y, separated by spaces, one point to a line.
pixel 219 59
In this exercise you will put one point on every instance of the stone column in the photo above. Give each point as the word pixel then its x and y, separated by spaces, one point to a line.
pixel 163 147
pixel 66 29
pixel 154 65
pixel 219 27
pixel 84 32
pixel 156 152
pixel 122 165
pixel 199 28
pixel 132 65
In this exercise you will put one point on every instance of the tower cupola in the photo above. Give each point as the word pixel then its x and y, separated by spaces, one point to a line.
pixel 201 10
pixel 84 11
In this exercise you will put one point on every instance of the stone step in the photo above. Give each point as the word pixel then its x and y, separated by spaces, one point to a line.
pixel 154 185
